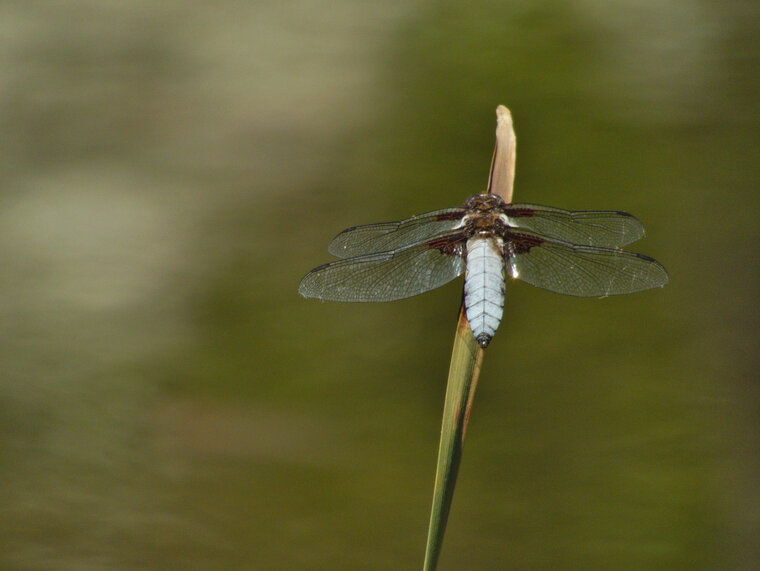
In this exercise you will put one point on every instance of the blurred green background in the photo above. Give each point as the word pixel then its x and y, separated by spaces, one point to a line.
pixel 169 171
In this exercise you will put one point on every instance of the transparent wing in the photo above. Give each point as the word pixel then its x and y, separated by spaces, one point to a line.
pixel 604 228
pixel 387 276
pixel 373 238
pixel 582 271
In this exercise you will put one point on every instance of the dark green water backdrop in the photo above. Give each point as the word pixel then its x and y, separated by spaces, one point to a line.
pixel 169 171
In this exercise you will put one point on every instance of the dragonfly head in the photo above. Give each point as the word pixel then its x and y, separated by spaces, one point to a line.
pixel 484 202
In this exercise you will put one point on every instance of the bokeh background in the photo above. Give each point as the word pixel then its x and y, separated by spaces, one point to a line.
pixel 169 171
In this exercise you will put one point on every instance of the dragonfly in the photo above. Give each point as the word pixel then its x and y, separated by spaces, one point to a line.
pixel 577 253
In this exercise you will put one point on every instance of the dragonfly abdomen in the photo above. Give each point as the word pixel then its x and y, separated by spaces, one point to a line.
pixel 484 286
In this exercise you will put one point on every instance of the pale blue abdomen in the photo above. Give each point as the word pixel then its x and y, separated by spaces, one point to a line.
pixel 484 286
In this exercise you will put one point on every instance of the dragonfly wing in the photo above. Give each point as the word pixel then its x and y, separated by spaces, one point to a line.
pixel 386 276
pixel 602 228
pixel 387 236
pixel 582 271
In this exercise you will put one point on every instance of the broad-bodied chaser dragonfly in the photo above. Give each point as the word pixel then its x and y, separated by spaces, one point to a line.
pixel 574 253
